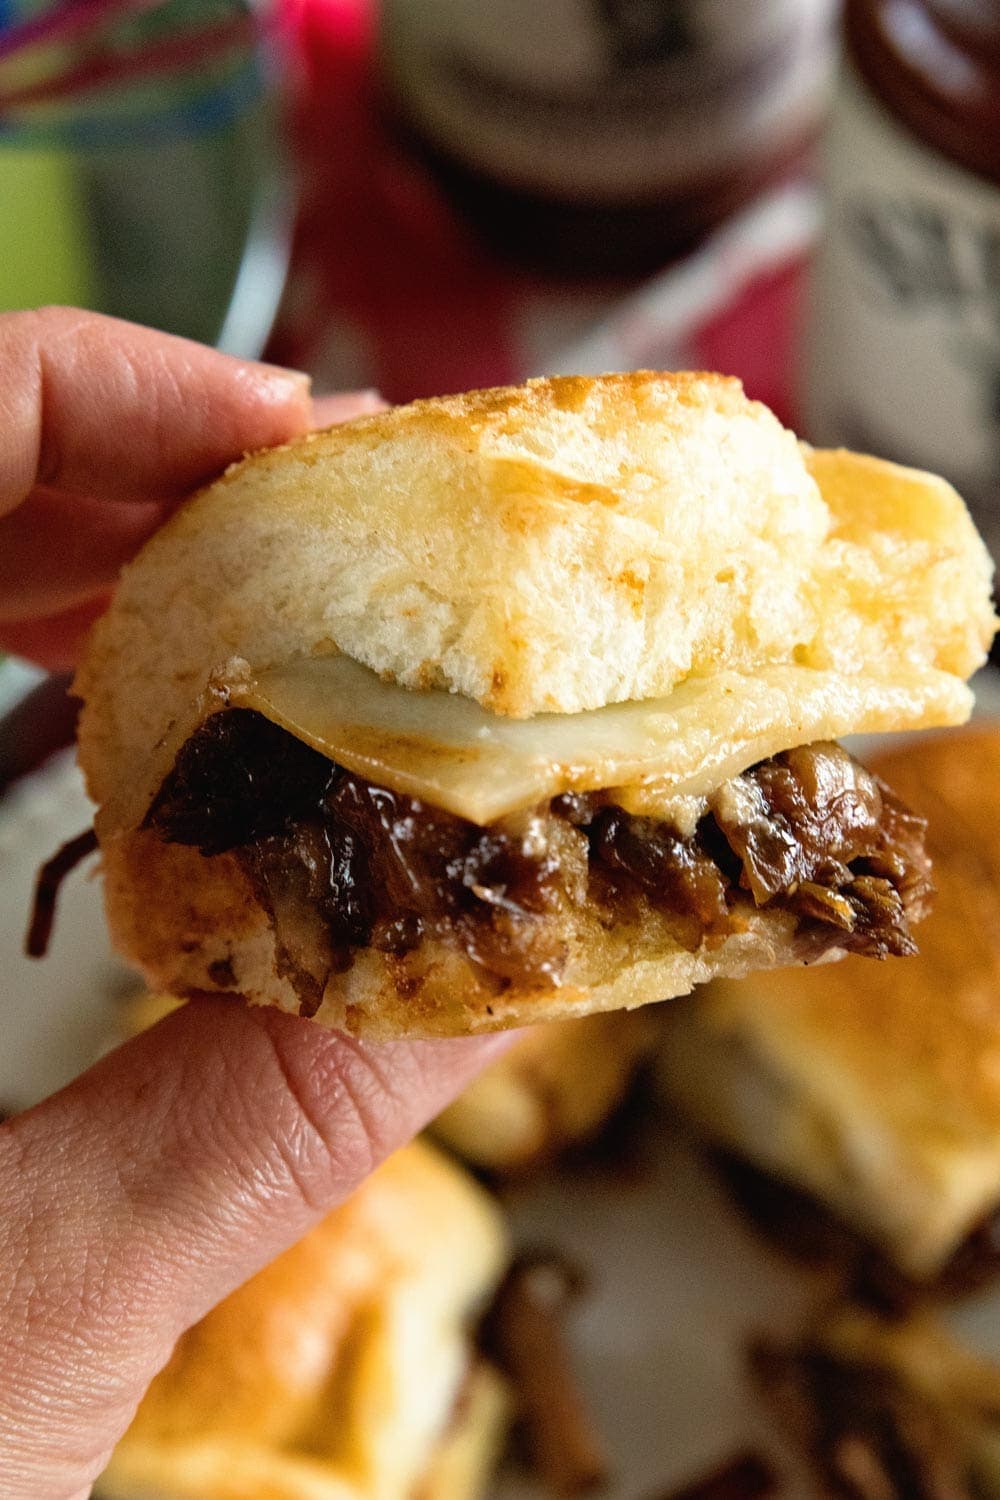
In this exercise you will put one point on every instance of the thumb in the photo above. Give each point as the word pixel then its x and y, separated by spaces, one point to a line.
pixel 138 1197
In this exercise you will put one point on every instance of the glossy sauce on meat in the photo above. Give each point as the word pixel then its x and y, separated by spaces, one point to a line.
pixel 810 831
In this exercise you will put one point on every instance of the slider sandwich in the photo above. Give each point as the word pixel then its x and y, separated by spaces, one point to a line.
pixel 344 1371
pixel 556 1087
pixel 876 1091
pixel 517 705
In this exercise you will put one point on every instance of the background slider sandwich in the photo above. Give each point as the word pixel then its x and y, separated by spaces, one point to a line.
pixel 347 1370
pixel 505 707
pixel 878 1093
pixel 557 1087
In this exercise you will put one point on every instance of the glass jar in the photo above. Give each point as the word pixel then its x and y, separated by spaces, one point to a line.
pixel 903 345
pixel 605 135
pixel 139 168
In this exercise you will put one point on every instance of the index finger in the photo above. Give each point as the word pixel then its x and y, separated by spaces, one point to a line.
pixel 94 405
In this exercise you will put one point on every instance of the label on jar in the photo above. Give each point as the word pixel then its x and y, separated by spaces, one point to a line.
pixel 903 350
pixel 609 100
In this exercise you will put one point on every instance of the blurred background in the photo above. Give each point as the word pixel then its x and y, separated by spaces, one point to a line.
pixel 428 195
pixel 423 196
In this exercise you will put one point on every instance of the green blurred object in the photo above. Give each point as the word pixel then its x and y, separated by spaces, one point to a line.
pixel 140 173
pixel 45 251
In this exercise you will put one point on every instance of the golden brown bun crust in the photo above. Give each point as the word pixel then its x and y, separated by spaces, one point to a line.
pixel 892 1072
pixel 936 1016
pixel 555 546
pixel 193 925
pixel 289 1380
pixel 556 1086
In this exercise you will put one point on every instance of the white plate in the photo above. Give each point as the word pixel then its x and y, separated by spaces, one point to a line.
pixel 677 1283
pixel 57 1012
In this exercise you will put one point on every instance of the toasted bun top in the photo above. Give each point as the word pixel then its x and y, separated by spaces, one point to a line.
pixel 347 1352
pixel 551 547
pixel 908 1050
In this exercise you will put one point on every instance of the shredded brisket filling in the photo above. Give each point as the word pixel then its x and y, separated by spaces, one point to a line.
pixel 794 1221
pixel 809 831
pixel 748 1476
pixel 524 1334
pixel 868 1436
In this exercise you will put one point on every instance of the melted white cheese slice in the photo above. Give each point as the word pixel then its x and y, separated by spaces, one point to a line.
pixel 454 754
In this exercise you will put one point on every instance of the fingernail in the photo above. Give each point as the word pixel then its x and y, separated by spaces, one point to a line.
pixel 367 399
pixel 297 377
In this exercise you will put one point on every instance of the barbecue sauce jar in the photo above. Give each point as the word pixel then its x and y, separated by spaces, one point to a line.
pixel 903 343
pixel 604 136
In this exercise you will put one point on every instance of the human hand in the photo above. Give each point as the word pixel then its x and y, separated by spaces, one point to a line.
pixel 180 1164
pixel 104 427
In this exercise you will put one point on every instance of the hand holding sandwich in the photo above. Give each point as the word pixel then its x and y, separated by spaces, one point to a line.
pixel 164 1177
pixel 490 709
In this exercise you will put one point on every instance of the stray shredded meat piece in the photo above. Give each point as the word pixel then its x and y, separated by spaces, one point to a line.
pixel 47 885
pixel 866 1435
pixel 747 1477
pixel 523 1334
